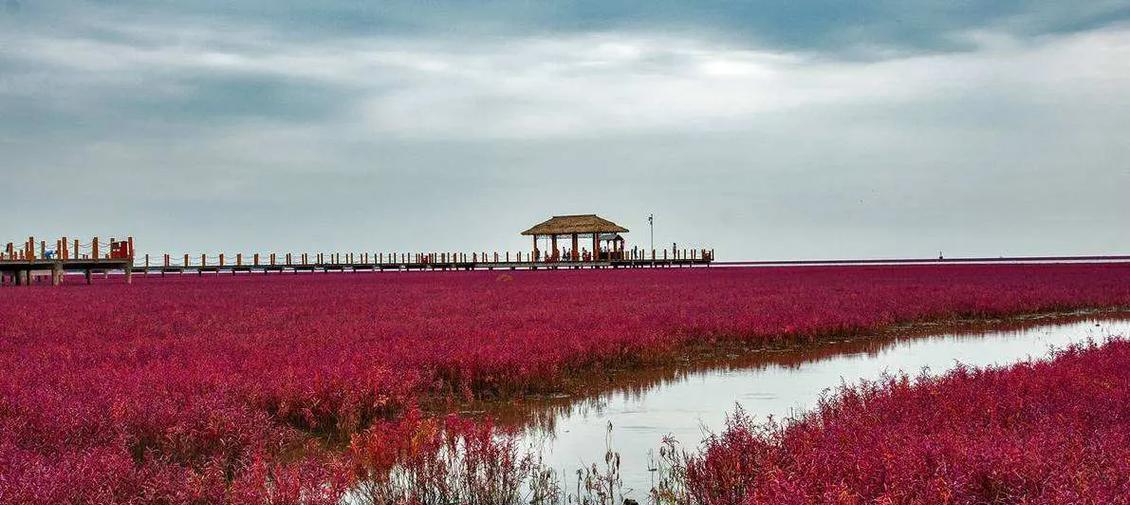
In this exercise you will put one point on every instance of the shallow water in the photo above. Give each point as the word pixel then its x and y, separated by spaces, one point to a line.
pixel 687 404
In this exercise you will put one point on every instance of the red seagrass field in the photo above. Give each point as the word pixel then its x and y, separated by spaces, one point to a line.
pixel 248 388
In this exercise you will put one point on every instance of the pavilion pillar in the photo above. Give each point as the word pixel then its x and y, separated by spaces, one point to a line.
pixel 535 256
pixel 556 252
pixel 595 246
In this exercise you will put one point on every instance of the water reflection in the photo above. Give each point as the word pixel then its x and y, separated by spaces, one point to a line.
pixel 689 399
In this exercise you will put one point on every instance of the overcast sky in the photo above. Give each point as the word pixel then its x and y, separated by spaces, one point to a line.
pixel 766 129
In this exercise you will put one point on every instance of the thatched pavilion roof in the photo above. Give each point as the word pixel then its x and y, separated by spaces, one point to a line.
pixel 578 223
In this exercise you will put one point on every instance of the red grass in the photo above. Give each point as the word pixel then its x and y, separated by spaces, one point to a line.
pixel 173 388
pixel 1042 432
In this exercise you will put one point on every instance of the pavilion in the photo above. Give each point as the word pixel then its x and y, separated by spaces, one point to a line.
pixel 590 226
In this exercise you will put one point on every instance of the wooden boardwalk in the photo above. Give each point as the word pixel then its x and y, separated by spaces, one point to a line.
pixel 414 266
pixel 23 266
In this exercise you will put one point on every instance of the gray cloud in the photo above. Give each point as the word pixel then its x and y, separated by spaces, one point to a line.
pixel 822 25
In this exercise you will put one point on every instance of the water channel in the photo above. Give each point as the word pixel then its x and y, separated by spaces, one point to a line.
pixel 688 403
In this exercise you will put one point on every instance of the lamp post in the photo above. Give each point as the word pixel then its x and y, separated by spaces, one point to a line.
pixel 651 225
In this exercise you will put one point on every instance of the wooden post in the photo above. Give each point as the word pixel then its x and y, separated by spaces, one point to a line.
pixel 221 259
pixel 94 249
pixel 77 254
pixel 238 259
pixel 203 259
pixel 88 276
pixel 185 261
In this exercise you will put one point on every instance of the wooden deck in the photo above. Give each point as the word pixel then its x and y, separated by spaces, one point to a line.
pixel 23 272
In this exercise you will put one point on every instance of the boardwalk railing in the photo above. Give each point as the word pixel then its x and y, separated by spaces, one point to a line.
pixel 267 262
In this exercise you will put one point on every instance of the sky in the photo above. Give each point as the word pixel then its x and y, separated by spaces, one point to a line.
pixel 765 129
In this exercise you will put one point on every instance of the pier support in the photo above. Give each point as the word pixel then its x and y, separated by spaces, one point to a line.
pixel 57 273
pixel 88 276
